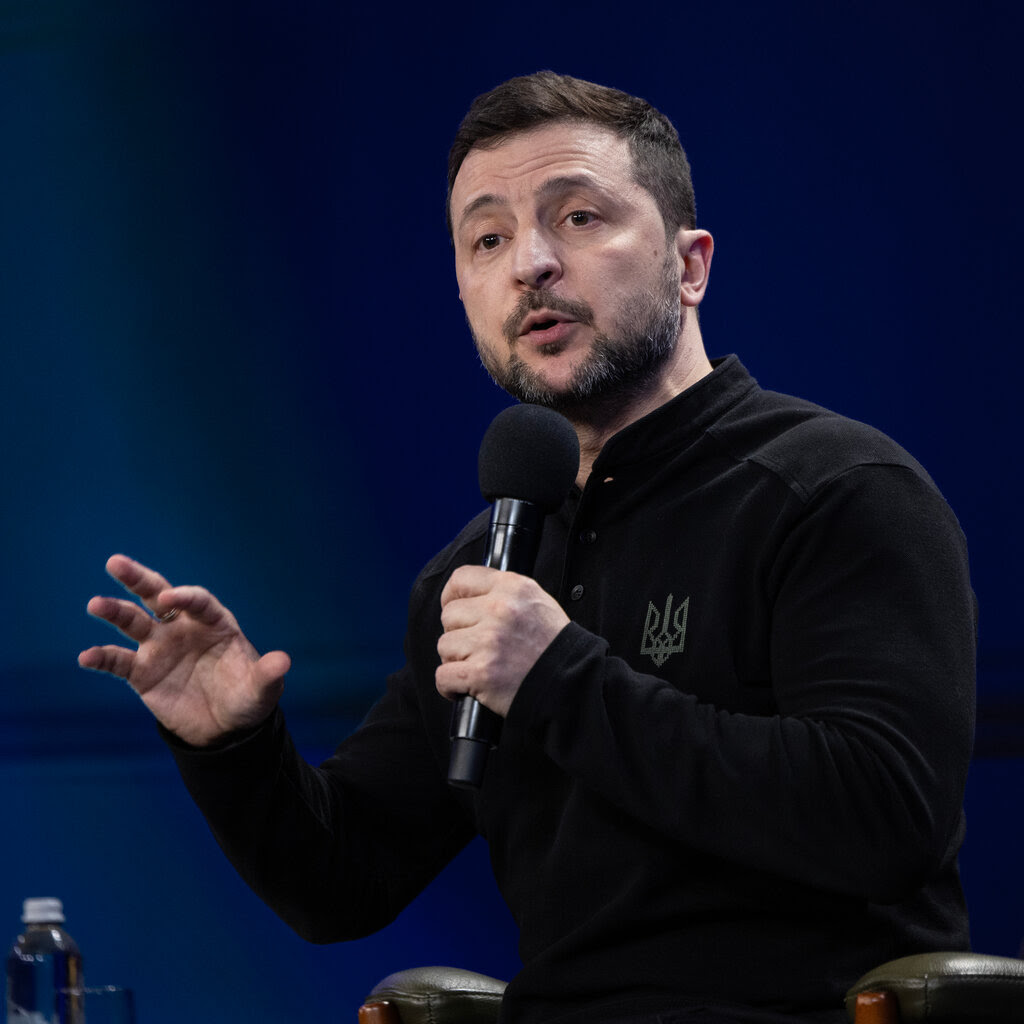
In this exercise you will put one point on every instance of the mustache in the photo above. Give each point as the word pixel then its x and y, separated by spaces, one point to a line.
pixel 530 302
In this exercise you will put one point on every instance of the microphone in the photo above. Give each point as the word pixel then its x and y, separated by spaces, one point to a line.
pixel 528 461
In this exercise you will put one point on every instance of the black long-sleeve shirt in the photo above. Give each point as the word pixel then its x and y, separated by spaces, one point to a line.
pixel 735 780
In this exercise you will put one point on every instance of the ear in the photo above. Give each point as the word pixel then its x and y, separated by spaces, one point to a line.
pixel 695 248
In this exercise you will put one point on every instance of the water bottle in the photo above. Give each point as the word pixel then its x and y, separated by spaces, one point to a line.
pixel 44 969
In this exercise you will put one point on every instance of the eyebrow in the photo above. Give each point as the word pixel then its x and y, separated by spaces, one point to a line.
pixel 488 199
pixel 553 186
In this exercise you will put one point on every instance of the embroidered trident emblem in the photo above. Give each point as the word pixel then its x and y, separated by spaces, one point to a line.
pixel 658 642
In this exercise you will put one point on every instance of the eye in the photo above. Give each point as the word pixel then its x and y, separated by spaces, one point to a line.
pixel 580 218
pixel 489 242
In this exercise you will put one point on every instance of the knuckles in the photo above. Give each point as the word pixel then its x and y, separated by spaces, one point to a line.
pixel 453 679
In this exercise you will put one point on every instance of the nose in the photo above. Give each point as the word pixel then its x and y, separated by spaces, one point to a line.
pixel 536 263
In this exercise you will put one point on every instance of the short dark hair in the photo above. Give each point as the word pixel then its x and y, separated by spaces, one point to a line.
pixel 531 101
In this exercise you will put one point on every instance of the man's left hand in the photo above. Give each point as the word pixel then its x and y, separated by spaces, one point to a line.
pixel 496 625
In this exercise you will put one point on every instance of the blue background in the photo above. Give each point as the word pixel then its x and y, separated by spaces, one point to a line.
pixel 232 347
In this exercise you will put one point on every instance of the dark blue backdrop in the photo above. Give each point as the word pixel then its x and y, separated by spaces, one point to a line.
pixel 232 346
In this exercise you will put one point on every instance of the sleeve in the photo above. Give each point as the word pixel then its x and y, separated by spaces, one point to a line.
pixel 337 851
pixel 855 784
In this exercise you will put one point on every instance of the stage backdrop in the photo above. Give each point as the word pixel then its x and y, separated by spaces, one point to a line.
pixel 233 348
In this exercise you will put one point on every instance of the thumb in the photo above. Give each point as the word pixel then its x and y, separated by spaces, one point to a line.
pixel 272 667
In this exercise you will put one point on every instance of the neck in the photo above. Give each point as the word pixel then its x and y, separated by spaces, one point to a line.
pixel 689 365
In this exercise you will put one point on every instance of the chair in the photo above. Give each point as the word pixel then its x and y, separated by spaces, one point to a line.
pixel 433 995
pixel 938 988
pixel 944 988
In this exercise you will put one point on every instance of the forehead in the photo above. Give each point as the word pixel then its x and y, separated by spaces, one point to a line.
pixel 520 164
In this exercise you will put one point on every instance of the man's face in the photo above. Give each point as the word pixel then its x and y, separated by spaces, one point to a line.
pixel 570 287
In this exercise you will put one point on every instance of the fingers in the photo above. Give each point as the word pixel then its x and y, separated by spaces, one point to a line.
pixel 463 599
pixel 496 625
pixel 118 661
pixel 136 577
pixel 474 594
pixel 454 644
pixel 158 596
pixel 125 616
pixel 197 601
pixel 455 679
pixel 133 621
pixel 461 613
pixel 471 581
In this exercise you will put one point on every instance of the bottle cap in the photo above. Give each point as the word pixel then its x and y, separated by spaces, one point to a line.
pixel 42 910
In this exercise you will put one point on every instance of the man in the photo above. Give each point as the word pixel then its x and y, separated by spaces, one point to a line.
pixel 737 700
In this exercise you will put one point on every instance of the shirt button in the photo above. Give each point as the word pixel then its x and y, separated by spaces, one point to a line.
pixel 588 536
pixel 577 592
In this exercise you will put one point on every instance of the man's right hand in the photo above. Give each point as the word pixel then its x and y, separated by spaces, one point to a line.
pixel 194 668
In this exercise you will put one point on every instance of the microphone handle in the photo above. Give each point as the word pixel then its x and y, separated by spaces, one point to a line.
pixel 512 544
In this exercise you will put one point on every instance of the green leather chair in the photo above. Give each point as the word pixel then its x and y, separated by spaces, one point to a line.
pixel 945 988
pixel 433 995
pixel 940 988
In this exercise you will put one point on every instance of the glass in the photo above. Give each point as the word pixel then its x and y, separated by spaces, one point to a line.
pixel 106 1004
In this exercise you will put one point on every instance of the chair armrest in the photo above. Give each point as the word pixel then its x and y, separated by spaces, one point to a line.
pixel 948 987
pixel 424 995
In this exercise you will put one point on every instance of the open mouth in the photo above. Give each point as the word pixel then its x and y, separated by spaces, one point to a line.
pixel 547 324
pixel 543 325
pixel 544 320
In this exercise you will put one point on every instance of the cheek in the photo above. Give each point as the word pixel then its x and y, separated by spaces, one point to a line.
pixel 483 308
pixel 485 330
pixel 622 279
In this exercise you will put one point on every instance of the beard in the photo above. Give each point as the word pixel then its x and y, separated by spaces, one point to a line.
pixel 619 368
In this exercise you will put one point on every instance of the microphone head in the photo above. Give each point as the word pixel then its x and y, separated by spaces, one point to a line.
pixel 530 453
